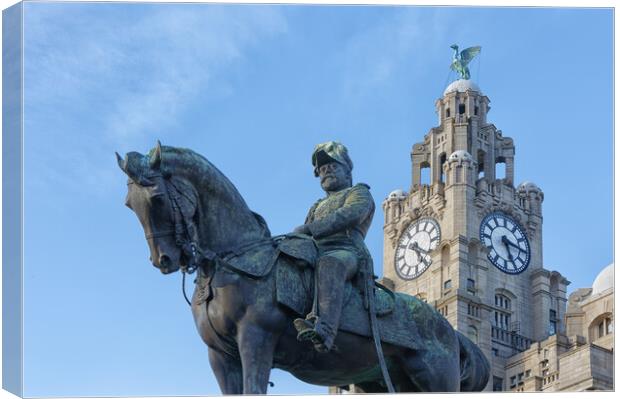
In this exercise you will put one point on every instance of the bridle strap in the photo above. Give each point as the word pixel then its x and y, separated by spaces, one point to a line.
pixel 158 234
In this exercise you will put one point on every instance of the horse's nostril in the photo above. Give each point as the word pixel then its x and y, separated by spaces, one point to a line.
pixel 164 261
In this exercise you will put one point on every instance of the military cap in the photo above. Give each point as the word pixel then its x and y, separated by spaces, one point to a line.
pixel 329 152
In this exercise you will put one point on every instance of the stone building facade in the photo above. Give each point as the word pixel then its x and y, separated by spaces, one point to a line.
pixel 581 359
pixel 465 239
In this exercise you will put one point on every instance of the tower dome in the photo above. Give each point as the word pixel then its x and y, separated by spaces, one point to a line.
pixel 461 86
pixel 604 280
pixel 397 194
pixel 527 187
pixel 460 156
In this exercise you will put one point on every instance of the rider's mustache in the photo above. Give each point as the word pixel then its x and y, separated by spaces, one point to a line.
pixel 326 176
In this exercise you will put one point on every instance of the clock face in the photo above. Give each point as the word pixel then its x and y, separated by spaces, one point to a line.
pixel 412 256
pixel 509 249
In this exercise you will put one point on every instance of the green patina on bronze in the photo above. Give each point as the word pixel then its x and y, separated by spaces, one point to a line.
pixel 462 59
pixel 249 292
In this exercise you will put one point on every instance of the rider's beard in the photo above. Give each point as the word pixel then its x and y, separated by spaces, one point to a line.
pixel 331 183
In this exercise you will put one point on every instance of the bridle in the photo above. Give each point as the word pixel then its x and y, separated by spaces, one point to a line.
pixel 184 230
pixel 186 234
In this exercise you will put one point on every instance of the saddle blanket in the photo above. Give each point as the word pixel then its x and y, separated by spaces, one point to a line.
pixel 395 314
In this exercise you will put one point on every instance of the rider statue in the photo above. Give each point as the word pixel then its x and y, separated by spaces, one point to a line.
pixel 338 223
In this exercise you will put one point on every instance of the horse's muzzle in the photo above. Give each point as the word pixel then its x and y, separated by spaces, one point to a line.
pixel 166 265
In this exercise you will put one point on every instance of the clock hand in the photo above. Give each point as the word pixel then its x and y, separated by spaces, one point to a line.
pixel 511 243
pixel 505 241
pixel 417 248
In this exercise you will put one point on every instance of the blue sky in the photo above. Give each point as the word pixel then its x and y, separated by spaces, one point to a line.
pixel 254 88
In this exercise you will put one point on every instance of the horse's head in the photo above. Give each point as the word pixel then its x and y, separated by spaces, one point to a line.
pixel 165 206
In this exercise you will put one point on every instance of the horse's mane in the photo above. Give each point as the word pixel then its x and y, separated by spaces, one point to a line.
pixel 190 164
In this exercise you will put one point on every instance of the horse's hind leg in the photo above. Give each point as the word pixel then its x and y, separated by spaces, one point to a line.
pixel 227 371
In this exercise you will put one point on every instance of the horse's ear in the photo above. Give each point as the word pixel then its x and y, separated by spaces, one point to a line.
pixel 122 163
pixel 155 160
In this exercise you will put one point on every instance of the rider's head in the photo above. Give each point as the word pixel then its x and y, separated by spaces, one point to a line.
pixel 332 164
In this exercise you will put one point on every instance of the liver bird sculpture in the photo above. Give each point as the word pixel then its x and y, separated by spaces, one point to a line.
pixel 460 61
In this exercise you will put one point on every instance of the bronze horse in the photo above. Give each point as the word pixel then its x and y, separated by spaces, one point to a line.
pixel 194 219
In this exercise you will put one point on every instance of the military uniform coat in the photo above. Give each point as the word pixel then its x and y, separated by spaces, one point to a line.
pixel 341 220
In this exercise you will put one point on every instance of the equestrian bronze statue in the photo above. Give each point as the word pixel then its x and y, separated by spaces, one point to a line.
pixel 305 302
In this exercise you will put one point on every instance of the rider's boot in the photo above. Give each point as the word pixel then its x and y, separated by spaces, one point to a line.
pixel 321 325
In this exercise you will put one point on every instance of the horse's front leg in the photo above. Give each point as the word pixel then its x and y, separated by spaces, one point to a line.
pixel 256 348
pixel 227 370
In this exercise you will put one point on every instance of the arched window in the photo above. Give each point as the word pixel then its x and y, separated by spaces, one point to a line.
pixel 442 160
pixel 425 173
pixel 480 158
pixel 500 168
pixel 601 326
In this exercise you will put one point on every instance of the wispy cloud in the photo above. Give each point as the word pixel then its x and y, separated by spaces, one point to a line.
pixel 126 72
pixel 407 37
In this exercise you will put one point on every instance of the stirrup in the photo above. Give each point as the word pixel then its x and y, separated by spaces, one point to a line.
pixel 305 330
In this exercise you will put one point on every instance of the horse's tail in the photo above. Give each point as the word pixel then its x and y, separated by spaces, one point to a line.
pixel 475 367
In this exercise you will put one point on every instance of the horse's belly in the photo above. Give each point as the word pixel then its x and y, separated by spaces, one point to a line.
pixel 336 376
pixel 355 361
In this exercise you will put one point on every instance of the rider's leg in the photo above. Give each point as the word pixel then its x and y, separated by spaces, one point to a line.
pixel 333 271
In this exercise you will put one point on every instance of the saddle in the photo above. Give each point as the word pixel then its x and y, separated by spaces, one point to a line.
pixel 294 261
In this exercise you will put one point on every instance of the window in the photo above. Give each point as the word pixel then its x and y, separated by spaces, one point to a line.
pixel 442 160
pixel 552 322
pixel 528 373
pixel 502 320
pixel 476 110
pixel 498 384
pixel 480 158
pixel 473 310
pixel 461 109
pixel 447 112
pixel 447 284
pixel 601 326
pixel 425 173
pixel 500 170
pixel 502 301
pixel 513 381
pixel 495 352
pixel 471 286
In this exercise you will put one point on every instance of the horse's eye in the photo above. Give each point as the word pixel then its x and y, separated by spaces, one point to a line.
pixel 157 197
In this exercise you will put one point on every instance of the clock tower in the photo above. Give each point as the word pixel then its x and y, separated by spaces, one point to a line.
pixel 465 239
